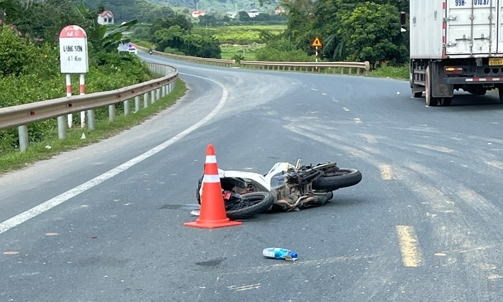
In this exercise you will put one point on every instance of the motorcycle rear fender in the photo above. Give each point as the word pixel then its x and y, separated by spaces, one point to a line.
pixel 258 178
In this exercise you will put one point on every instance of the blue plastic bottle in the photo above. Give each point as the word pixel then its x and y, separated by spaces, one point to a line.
pixel 279 253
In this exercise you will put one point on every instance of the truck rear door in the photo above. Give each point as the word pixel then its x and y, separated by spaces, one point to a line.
pixel 473 27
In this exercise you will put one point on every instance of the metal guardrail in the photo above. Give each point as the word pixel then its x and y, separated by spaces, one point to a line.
pixel 268 65
pixel 208 61
pixel 313 66
pixel 25 114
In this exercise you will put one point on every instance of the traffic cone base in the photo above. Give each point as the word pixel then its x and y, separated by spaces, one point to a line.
pixel 212 224
pixel 212 214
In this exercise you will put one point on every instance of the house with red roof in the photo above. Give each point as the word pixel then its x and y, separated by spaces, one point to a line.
pixel 106 17
pixel 197 14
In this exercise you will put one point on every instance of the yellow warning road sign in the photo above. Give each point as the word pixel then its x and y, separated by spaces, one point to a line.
pixel 316 42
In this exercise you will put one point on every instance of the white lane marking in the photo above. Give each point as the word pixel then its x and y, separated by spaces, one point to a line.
pixel 357 120
pixel 436 148
pixel 51 203
pixel 244 287
pixel 345 109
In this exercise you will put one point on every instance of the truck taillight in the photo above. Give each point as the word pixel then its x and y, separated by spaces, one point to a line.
pixel 453 70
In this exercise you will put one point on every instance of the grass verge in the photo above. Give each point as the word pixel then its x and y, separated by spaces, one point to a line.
pixel 104 128
pixel 245 51
pixel 385 71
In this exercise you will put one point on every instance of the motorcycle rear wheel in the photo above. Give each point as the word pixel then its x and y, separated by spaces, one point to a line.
pixel 341 178
pixel 248 205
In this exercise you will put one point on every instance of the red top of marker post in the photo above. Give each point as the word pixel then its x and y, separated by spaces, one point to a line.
pixel 73 31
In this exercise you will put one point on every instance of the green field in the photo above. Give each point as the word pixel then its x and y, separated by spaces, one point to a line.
pixel 239 40
pixel 246 52
pixel 240 35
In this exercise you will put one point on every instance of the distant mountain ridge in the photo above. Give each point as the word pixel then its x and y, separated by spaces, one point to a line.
pixel 215 5
pixel 123 9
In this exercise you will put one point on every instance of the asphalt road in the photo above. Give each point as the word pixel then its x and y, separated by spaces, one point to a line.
pixel 105 222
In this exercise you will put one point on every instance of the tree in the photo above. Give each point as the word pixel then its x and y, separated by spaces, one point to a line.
pixel 10 10
pixel 14 53
pixel 183 22
pixel 371 33
pixel 326 23
pixel 300 15
pixel 31 19
pixel 243 16
pixel 207 20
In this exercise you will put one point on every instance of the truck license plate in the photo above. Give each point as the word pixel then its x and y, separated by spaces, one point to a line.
pixel 495 61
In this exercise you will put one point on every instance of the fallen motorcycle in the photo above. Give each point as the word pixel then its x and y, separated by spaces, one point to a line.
pixel 284 188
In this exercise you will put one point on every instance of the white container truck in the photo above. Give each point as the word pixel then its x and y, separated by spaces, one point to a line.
pixel 455 44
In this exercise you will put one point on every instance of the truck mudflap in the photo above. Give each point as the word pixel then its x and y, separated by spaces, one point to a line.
pixel 439 89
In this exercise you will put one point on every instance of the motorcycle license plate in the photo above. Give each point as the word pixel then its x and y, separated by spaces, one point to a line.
pixel 227 195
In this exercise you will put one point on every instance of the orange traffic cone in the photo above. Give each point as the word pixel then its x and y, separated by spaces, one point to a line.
pixel 212 214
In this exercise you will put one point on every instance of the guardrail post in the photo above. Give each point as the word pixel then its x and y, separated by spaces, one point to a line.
pixel 61 127
pixel 23 137
pixel 145 100
pixel 91 121
pixel 152 96
pixel 111 112
pixel 136 103
pixel 157 93
pixel 126 107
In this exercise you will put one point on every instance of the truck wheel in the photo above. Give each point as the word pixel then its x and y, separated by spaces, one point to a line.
pixel 418 94
pixel 430 101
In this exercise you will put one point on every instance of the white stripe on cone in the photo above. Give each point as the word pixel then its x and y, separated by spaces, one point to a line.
pixel 211 159
pixel 211 178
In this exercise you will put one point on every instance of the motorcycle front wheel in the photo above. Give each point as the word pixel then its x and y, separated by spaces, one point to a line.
pixel 341 178
pixel 248 205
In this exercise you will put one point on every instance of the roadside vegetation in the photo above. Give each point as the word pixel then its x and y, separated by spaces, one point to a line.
pixel 30 72
pixel 51 145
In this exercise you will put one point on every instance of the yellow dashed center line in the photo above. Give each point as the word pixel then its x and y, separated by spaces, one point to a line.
pixel 409 246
